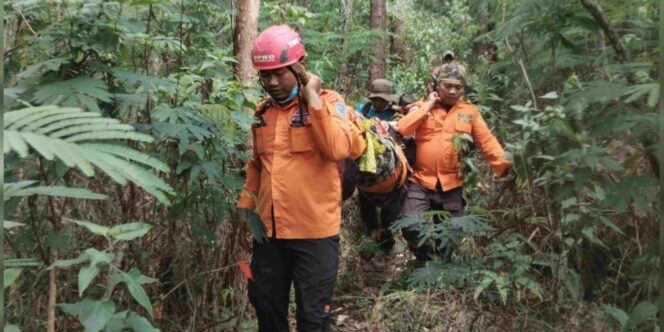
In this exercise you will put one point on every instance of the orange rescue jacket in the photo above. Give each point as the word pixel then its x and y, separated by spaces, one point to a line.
pixel 293 179
pixel 436 159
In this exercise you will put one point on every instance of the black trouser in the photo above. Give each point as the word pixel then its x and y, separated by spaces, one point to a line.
pixel 390 207
pixel 311 265
pixel 420 199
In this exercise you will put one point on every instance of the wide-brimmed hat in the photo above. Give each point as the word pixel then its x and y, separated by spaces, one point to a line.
pixel 448 55
pixel 382 88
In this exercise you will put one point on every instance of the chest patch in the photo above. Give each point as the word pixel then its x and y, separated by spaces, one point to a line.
pixel 464 117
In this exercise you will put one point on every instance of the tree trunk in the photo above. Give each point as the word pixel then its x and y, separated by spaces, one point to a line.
pixel 379 24
pixel 244 35
pixel 399 46
pixel 344 76
pixel 597 12
pixel 52 298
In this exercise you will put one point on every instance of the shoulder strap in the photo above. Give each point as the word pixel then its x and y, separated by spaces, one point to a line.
pixel 261 111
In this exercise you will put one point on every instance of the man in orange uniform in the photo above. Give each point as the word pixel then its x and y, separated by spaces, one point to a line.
pixel 293 184
pixel 436 183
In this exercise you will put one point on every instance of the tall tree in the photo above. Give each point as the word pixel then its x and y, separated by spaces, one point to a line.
pixel 347 16
pixel 378 23
pixel 399 19
pixel 244 35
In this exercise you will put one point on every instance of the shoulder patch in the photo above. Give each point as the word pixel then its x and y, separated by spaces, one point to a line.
pixel 341 108
pixel 331 96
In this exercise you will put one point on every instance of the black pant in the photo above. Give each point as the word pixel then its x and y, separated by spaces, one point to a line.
pixel 420 199
pixel 311 265
pixel 390 207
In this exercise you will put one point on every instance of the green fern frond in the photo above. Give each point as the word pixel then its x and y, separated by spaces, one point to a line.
pixel 16 143
pixel 13 189
pixel 111 134
pixel 110 170
pixel 79 139
pixel 91 128
pixel 25 188
pixel 73 91
pixel 56 118
pixel 74 122
pixel 131 154
pixel 143 178
pixel 17 119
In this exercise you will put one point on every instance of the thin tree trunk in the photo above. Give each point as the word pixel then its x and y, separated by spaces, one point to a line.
pixel 52 297
pixel 597 12
pixel 379 24
pixel 605 63
pixel 524 72
pixel 244 35
pixel 595 9
pixel 347 15
pixel 399 46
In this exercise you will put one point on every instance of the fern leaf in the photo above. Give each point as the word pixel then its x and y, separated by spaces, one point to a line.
pixel 111 134
pixel 55 132
pixel 65 91
pixel 111 170
pixel 13 188
pixel 56 118
pixel 74 122
pixel 140 175
pixel 18 119
pixel 11 117
pixel 50 64
pixel 143 178
pixel 57 191
pixel 129 153
pixel 13 141
pixel 100 127
pixel 37 142
pixel 23 188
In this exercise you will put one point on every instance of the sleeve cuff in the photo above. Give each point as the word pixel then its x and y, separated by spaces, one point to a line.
pixel 501 167
pixel 245 202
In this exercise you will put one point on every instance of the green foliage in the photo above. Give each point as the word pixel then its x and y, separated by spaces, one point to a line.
pixel 49 131
pixel 144 93
pixel 141 94
pixel 10 275
pixel 642 312
pixel 98 314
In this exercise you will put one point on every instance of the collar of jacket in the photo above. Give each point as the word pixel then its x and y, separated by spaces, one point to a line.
pixel 287 106
pixel 457 105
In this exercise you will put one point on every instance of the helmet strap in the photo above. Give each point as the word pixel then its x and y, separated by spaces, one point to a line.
pixel 300 99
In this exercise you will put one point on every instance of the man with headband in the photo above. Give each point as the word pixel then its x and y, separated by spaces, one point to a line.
pixel 437 181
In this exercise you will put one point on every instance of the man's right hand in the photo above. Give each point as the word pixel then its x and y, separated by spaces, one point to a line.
pixel 431 101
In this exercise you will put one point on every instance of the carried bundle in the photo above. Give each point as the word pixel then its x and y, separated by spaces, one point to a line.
pixel 382 167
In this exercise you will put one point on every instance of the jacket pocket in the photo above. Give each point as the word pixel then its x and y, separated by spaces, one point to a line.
pixel 302 139
pixel 451 161
pixel 462 127
pixel 259 139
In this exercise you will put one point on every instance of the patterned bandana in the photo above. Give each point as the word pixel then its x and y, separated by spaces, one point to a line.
pixel 451 73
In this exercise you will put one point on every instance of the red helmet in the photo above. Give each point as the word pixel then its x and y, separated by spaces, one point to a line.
pixel 277 46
